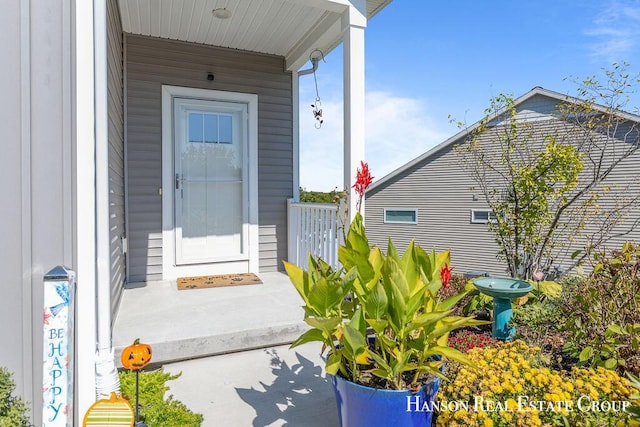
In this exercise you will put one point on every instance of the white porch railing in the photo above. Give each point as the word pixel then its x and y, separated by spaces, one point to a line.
pixel 314 228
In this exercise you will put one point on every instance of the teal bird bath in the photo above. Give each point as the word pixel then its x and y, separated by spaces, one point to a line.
pixel 503 290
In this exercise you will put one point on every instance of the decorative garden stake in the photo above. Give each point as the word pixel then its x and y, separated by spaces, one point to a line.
pixel 58 345
pixel 115 411
pixel 135 357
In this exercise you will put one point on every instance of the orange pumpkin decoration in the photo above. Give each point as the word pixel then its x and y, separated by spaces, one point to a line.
pixel 136 356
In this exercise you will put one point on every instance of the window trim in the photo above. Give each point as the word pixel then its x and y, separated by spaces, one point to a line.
pixel 414 210
pixel 489 212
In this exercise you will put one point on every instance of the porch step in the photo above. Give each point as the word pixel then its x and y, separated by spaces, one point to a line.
pixel 195 323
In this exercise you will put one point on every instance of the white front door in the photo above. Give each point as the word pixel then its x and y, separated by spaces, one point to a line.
pixel 209 191
pixel 210 181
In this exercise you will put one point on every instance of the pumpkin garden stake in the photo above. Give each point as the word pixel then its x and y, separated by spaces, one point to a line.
pixel 135 357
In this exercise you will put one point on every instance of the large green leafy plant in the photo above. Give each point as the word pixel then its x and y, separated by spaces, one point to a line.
pixel 379 317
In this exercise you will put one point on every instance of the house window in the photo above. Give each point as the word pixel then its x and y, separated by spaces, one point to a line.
pixel 482 216
pixel 401 216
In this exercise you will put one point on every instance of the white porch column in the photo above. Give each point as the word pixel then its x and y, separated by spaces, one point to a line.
pixel 354 21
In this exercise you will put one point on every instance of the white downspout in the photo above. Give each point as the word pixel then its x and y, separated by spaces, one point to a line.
pixel 295 94
pixel 84 141
pixel 107 379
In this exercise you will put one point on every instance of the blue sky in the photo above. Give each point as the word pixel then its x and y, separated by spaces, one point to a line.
pixel 428 60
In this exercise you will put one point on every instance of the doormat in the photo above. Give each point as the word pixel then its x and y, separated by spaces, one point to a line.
pixel 201 282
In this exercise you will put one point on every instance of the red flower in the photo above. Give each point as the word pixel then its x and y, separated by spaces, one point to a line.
pixel 445 275
pixel 466 340
pixel 363 181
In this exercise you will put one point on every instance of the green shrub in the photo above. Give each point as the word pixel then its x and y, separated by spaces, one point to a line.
pixel 155 409
pixel 13 410
pixel 536 322
pixel 603 312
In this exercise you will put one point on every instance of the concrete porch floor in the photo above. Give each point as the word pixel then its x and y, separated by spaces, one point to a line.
pixel 275 386
pixel 181 325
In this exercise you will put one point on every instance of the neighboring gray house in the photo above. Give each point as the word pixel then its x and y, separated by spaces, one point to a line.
pixel 432 199
pixel 116 115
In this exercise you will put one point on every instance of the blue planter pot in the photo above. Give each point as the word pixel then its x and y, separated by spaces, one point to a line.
pixel 364 406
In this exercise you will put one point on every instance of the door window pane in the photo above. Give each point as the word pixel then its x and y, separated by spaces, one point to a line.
pixel 195 127
pixel 210 128
pixel 226 129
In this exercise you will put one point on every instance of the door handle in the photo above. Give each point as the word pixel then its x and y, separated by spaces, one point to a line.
pixel 178 181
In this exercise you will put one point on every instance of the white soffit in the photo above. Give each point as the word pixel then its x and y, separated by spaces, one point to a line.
pixel 288 28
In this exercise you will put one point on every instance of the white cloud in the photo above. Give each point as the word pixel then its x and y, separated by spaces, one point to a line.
pixel 398 129
pixel 616 30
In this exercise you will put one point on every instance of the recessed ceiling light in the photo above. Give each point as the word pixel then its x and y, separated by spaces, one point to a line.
pixel 222 13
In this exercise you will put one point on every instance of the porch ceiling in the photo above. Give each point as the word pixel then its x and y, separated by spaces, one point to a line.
pixel 289 28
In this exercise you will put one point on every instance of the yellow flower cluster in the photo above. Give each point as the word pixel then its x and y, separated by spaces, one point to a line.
pixel 512 385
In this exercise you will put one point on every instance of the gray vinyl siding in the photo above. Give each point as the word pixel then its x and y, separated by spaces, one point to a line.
pixel 442 193
pixel 153 62
pixel 116 151
pixel 624 183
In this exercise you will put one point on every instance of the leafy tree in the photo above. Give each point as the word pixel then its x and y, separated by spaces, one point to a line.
pixel 545 180
pixel 319 197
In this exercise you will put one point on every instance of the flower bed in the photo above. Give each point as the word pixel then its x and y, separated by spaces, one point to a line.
pixel 513 385
pixel 466 340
